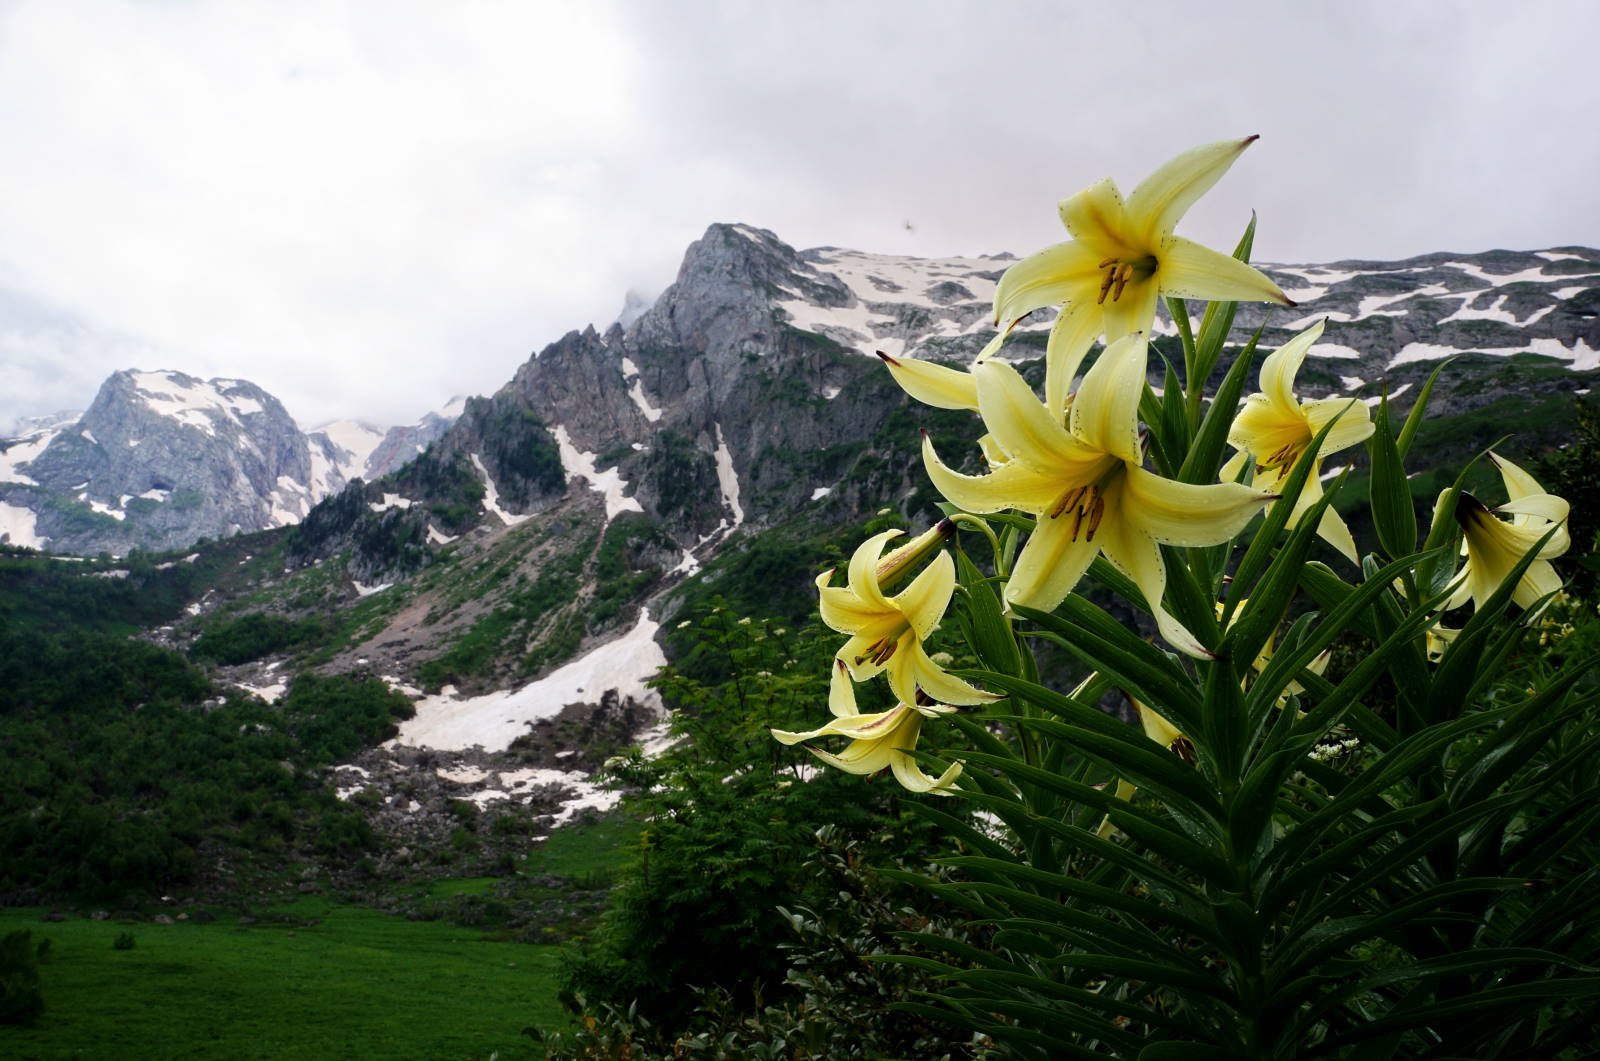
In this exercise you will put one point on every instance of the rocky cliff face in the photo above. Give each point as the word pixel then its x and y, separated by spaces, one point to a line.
pixel 745 394
pixel 162 459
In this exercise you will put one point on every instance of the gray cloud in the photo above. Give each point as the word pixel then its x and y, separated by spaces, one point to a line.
pixel 367 209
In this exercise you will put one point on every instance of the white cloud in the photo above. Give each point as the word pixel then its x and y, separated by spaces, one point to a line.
pixel 366 207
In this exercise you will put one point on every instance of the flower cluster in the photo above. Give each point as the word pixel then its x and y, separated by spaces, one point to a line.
pixel 1069 467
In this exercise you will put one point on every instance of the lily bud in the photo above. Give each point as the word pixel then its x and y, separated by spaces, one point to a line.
pixel 902 561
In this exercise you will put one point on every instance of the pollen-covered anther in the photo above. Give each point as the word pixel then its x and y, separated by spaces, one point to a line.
pixel 1067 500
pixel 1112 266
pixel 1119 273
pixel 1096 514
pixel 880 650
pixel 1087 504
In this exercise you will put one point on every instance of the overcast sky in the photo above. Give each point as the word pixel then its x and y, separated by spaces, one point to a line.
pixel 367 207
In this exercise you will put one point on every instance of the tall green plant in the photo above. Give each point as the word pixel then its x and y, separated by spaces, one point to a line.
pixel 1383 860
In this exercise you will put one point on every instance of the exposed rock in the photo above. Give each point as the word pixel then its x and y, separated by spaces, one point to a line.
pixel 162 459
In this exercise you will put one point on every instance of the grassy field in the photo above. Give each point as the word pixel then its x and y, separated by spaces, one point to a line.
pixel 309 981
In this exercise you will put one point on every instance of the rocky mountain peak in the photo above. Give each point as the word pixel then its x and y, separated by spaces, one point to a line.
pixel 161 459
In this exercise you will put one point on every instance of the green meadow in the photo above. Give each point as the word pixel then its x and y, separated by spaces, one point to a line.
pixel 309 979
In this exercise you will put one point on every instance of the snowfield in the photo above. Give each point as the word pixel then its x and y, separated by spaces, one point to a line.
pixel 446 722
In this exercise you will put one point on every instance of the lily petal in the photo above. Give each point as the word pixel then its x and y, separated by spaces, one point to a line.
pixel 923 602
pixel 842 609
pixel 1105 414
pixel 1161 199
pixel 1051 563
pixel 1054 275
pixel 869 755
pixel 1353 422
pixel 911 777
pixel 841 692
pixel 1156 727
pixel 1136 555
pixel 1135 310
pixel 1332 529
pixel 1024 427
pixel 1097 218
pixel 860 727
pixel 1229 473
pixel 864 570
pixel 1519 483
pixel 1071 336
pixel 1184 513
pixel 1544 506
pixel 1281 366
pixel 934 384
pixel 1011 485
pixel 921 672
pixel 1189 270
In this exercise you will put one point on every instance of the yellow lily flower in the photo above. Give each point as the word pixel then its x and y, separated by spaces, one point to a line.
pixel 877 740
pixel 1122 258
pixel 1085 485
pixel 1273 428
pixel 887 633
pixel 1494 546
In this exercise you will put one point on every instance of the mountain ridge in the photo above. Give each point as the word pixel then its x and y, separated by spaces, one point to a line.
pixel 161 459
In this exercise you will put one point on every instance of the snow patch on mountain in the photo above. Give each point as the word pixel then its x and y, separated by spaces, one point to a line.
pixel 193 402
pixel 579 464
pixel 900 303
pixel 1580 357
pixel 1495 311
pixel 491 496
pixel 1521 276
pixel 21 452
pixel 447 723
pixel 1334 350
pixel 728 478
pixel 340 452
pixel 102 508
pixel 630 372
pixel 19 526
pixel 396 501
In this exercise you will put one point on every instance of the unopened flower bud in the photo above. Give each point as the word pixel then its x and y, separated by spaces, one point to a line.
pixel 896 565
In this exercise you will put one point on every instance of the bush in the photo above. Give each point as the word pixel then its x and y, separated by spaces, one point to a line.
pixel 124 941
pixel 253 636
pixel 21 997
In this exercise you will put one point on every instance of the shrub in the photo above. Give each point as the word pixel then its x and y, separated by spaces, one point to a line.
pixel 21 997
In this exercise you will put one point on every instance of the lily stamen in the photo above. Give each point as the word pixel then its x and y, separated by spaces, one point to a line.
pixel 1096 514
pixel 881 650
pixel 1110 266
pixel 1124 274
pixel 1066 501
